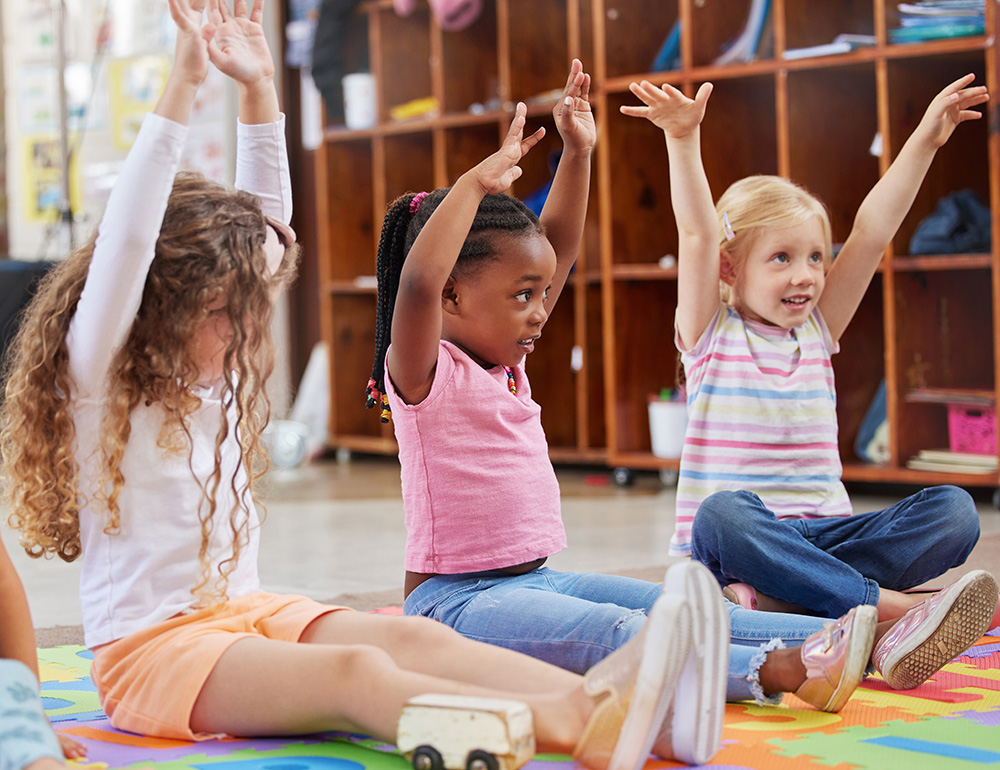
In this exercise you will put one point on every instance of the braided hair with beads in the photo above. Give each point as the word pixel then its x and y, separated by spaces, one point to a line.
pixel 498 215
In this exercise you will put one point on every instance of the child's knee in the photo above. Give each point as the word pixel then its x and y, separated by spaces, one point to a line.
pixel 959 519
pixel 723 511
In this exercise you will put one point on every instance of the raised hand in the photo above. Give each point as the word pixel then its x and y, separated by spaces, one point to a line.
pixel 667 108
pixel 239 48
pixel 573 116
pixel 191 57
pixel 949 108
pixel 498 172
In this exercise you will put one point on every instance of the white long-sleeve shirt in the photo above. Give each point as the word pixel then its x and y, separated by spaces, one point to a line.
pixel 144 573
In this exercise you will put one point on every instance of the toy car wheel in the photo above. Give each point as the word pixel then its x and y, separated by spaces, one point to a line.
pixel 481 760
pixel 427 758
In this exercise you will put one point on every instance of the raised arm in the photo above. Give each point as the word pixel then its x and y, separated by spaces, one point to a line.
pixel 131 223
pixel 416 319
pixel 190 61
pixel 565 208
pixel 239 49
pixel 884 208
pixel 698 258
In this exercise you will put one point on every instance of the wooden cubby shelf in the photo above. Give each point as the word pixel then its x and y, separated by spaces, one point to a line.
pixel 927 321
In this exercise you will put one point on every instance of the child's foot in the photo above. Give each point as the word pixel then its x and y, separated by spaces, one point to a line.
pixel 836 657
pixel 634 685
pixel 749 598
pixel 742 594
pixel 937 630
pixel 692 730
pixel 925 593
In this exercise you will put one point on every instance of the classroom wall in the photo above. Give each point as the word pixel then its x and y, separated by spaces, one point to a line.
pixel 118 53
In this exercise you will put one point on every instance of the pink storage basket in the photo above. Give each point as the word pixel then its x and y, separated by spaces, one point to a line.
pixel 972 429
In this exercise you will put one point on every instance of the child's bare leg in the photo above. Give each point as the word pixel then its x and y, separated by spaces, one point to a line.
pixel 892 605
pixel 782 671
pixel 427 646
pixel 267 687
pixel 767 603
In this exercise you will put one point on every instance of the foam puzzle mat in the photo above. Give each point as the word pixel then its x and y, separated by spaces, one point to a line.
pixel 952 721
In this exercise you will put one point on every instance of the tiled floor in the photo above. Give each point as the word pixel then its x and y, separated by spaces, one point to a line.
pixel 334 528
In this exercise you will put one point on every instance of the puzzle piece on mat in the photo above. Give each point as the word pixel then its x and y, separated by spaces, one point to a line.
pixel 897 744
pixel 65 663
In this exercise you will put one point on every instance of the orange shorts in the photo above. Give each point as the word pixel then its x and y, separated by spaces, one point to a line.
pixel 148 682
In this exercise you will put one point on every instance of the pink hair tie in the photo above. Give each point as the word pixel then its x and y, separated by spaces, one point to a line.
pixel 417 200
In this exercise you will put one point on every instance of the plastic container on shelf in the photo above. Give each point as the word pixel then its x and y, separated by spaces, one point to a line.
pixel 972 429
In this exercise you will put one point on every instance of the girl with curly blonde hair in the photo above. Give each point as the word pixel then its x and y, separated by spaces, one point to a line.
pixel 131 437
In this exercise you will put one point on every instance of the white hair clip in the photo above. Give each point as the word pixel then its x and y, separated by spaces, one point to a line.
pixel 727 228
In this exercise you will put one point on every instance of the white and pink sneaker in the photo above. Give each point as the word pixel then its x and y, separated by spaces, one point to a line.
pixel 936 631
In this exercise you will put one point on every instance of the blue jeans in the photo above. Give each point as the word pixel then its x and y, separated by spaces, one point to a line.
pixel 574 619
pixel 830 565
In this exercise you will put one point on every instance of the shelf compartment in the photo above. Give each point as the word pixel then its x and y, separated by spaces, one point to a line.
pixel 405 63
pixel 352 348
pixel 538 166
pixel 409 164
pixel 539 50
pixel 858 368
pixel 349 248
pixel 739 135
pixel 467 146
pixel 642 228
pixel 715 25
pixel 634 31
pixel 354 57
pixel 808 23
pixel 472 52
pixel 594 437
pixel 645 358
pixel 944 320
pixel 832 122
pixel 553 381
pixel 963 161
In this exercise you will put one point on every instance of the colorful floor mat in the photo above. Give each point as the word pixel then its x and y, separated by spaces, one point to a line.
pixel 953 721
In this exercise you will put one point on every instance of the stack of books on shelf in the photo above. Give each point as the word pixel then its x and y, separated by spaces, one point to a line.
pixel 946 461
pixel 843 43
pixel 934 19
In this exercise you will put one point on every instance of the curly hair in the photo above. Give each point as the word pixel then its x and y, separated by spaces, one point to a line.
pixel 210 243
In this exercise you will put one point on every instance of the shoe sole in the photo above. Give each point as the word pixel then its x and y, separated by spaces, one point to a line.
pixel 858 653
pixel 950 630
pixel 697 732
pixel 666 648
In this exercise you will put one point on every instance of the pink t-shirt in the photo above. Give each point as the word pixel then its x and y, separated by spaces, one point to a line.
pixel 479 491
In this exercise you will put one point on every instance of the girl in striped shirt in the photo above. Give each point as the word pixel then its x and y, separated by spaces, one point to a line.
pixel 761 463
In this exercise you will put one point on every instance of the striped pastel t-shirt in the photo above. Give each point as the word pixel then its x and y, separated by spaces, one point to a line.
pixel 761 417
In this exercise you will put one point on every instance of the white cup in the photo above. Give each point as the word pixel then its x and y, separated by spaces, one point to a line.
pixel 667 424
pixel 359 100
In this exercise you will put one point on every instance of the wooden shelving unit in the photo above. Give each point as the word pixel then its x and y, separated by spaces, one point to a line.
pixel 926 321
pixel 517 50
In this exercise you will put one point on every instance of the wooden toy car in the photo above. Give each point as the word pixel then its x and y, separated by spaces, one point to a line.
pixel 457 732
